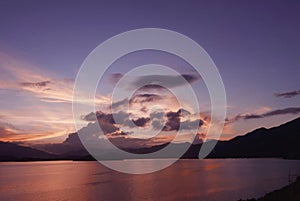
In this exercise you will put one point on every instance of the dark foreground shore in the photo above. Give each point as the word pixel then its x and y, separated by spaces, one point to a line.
pixel 290 192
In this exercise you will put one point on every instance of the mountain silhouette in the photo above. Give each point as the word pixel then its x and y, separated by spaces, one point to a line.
pixel 14 152
pixel 281 141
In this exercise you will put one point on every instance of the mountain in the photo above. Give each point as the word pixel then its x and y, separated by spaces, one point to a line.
pixel 71 148
pixel 281 141
pixel 14 152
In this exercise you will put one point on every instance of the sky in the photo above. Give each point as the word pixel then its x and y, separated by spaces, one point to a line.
pixel 254 44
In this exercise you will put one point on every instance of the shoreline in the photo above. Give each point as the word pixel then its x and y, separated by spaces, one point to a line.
pixel 68 159
pixel 289 192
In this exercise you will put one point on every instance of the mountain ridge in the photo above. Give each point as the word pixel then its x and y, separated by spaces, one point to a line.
pixel 13 152
pixel 279 141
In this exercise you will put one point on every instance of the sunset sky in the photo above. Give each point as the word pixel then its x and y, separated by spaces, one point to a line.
pixel 255 45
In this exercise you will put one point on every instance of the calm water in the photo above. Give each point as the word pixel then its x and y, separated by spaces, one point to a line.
pixel 218 179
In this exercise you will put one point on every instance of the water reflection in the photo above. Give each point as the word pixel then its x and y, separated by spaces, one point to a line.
pixel 229 179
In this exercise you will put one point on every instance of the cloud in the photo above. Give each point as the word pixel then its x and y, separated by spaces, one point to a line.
pixel 11 133
pixel 115 77
pixel 111 122
pixel 289 94
pixel 169 121
pixel 24 85
pixel 114 127
pixel 36 84
pixel 136 99
pixel 119 103
pixel 157 81
pixel 144 98
pixel 141 122
pixel 21 76
pixel 157 115
pixel 174 122
pixel 186 125
pixel 289 110
pixel 157 124
pixel 121 139
pixel 167 81
pixel 89 117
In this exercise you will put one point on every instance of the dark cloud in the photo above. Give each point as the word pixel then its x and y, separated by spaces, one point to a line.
pixel 110 123
pixel 183 112
pixel 36 84
pixel 89 117
pixel 157 81
pixel 167 81
pixel 72 139
pixel 289 94
pixel 131 123
pixel 290 110
pixel 144 98
pixel 106 121
pixel 169 121
pixel 141 122
pixel 186 125
pixel 118 134
pixel 174 123
pixel 108 127
pixel 139 98
pixel 149 87
pixel 190 78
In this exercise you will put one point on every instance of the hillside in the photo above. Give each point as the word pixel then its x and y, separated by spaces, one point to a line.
pixel 14 152
pixel 281 141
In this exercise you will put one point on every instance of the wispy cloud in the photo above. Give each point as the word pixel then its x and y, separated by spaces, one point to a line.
pixel 18 75
pixel 37 101
pixel 289 94
pixel 11 133
pixel 247 116
pixel 36 84
pixel 157 81
pixel 22 76
pixel 168 81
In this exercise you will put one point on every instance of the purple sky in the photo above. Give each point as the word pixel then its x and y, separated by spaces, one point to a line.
pixel 255 45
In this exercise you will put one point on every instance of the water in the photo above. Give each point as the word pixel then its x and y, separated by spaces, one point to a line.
pixel 208 180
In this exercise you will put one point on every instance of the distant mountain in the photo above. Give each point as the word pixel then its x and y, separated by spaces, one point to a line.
pixel 71 148
pixel 281 141
pixel 191 153
pixel 14 152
